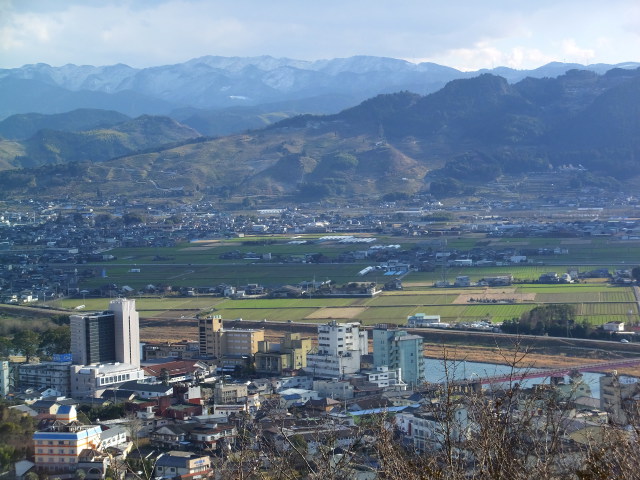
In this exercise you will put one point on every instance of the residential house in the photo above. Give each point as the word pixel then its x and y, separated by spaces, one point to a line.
pixel 183 465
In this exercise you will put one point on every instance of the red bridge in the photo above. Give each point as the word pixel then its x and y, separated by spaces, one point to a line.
pixel 519 375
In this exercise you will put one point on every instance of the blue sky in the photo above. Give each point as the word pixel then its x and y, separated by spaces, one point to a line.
pixel 465 34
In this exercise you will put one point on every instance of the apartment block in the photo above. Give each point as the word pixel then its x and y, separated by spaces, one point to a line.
pixel 397 349
pixel 339 351
pixel 289 354
pixel 217 341
pixel 57 449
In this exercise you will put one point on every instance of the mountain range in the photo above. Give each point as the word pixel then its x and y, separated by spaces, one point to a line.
pixel 223 95
pixel 469 133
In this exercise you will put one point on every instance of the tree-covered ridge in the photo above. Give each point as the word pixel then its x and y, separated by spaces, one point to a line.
pixel 86 137
pixel 469 133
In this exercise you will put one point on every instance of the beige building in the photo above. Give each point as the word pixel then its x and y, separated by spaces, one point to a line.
pixel 216 341
pixel 229 393
pixel 290 354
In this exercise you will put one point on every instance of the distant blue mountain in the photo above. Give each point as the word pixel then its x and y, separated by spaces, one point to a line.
pixel 194 92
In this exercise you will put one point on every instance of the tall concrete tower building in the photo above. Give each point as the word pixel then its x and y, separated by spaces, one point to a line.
pixel 127 331
pixel 92 338
pixel 109 336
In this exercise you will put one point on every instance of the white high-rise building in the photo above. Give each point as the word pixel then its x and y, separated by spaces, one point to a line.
pixel 340 348
pixel 127 331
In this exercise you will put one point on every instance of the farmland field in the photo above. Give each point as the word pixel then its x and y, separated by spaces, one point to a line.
pixel 420 299
pixel 198 264
pixel 269 274
pixel 271 314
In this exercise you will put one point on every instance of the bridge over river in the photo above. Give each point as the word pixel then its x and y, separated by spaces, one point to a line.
pixel 519 375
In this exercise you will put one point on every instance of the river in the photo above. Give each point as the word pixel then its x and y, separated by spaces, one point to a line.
pixel 436 371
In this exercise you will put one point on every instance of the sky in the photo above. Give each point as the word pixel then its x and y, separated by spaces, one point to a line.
pixel 464 34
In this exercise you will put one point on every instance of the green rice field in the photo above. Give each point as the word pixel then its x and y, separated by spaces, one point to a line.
pixel 199 264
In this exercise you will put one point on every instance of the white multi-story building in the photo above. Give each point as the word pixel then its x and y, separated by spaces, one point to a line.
pixel 44 375
pixel 383 377
pixel 340 348
pixel 396 349
pixel 335 389
pixel 92 380
pixel 429 430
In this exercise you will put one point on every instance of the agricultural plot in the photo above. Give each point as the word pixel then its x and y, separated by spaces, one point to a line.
pixel 567 288
pixel 574 297
pixel 237 274
pixel 521 272
pixel 90 304
pixel 399 300
pixel 496 313
pixel 620 295
pixel 395 315
pixel 198 264
pixel 146 305
pixel 290 303
pixel 606 309
pixel 615 252
pixel 330 313
pixel 271 314
pixel 209 251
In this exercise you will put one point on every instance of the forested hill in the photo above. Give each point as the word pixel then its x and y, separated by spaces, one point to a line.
pixel 469 132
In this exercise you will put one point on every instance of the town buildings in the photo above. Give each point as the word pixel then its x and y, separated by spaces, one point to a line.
pixel 620 397
pixel 93 338
pixel 340 348
pixel 92 380
pixel 180 464
pixel 5 378
pixel 127 331
pixel 54 375
pixel 218 342
pixel 397 349
pixel 59 447
pixel 289 354
pixel 109 336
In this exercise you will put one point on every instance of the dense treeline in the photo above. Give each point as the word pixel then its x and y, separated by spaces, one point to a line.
pixel 16 431
pixel 553 320
pixel 35 337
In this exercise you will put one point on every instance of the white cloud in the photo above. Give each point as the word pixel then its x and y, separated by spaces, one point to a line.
pixel 574 53
pixel 466 34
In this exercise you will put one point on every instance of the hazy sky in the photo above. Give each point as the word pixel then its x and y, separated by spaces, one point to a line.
pixel 465 34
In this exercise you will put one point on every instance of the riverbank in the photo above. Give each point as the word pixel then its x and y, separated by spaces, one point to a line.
pixel 522 357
